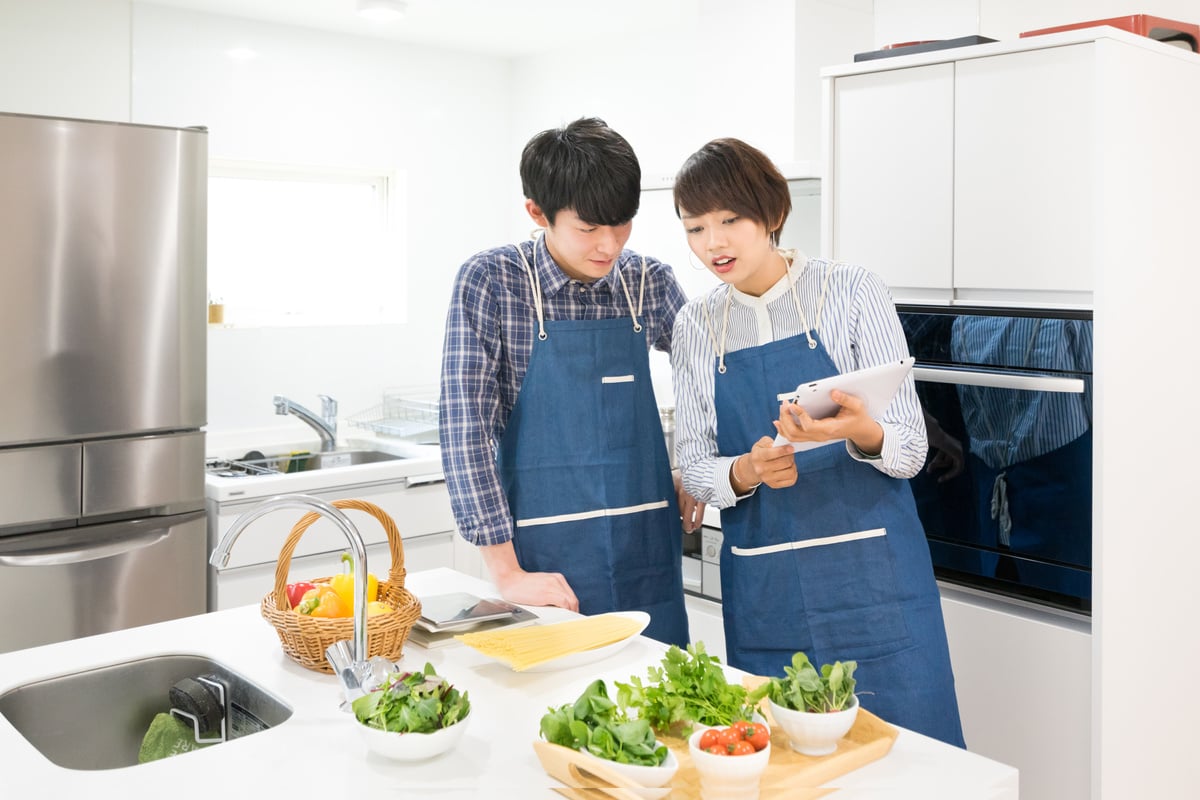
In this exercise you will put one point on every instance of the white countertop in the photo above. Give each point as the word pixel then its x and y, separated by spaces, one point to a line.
pixel 318 751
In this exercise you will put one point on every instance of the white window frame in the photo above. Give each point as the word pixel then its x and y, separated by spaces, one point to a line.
pixel 363 294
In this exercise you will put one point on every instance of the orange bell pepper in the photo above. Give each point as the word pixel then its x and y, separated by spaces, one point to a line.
pixel 322 601
pixel 343 584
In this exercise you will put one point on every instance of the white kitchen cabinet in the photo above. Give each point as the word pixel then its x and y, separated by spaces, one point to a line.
pixel 968 180
pixel 1026 166
pixel 705 624
pixel 419 506
pixel 1024 694
pixel 892 163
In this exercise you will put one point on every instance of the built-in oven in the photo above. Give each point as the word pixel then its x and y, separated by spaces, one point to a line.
pixel 1006 493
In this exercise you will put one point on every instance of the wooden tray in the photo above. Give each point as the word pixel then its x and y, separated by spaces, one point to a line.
pixel 794 775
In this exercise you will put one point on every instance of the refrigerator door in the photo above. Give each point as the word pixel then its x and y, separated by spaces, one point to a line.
pixel 101 578
pixel 164 474
pixel 102 260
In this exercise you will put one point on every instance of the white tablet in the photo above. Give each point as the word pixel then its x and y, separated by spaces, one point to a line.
pixel 875 386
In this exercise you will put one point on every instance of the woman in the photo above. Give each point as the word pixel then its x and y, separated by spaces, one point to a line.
pixel 828 557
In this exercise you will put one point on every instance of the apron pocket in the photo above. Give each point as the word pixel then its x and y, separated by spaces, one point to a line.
pixel 835 595
pixel 618 399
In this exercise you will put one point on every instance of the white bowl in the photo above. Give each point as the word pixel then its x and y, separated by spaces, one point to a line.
pixel 643 775
pixel 728 777
pixel 412 746
pixel 814 733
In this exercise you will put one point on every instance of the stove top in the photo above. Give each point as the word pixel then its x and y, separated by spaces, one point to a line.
pixel 223 468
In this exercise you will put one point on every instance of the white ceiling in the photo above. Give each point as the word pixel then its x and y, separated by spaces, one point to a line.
pixel 500 27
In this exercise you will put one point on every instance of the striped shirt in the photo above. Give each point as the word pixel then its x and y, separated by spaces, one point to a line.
pixel 489 336
pixel 1007 426
pixel 858 326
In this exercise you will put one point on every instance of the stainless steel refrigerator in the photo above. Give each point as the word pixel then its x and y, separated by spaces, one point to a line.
pixel 102 376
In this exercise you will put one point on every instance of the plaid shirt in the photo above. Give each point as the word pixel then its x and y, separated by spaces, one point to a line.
pixel 489 336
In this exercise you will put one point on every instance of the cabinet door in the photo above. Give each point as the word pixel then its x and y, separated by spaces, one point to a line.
pixel 1025 173
pixel 892 164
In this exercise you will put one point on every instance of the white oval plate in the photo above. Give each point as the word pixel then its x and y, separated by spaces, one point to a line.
pixel 596 653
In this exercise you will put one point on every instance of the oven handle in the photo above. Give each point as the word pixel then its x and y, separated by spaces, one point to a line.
pixel 998 380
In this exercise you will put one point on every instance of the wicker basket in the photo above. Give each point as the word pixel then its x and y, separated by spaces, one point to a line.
pixel 305 638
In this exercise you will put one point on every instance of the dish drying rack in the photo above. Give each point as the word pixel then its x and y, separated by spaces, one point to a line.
pixel 414 418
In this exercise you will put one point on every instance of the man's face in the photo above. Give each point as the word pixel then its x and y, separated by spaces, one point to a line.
pixel 585 252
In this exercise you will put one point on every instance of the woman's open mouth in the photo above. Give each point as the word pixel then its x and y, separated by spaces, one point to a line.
pixel 723 264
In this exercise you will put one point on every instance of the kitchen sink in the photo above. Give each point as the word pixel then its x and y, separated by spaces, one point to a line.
pixel 96 719
pixel 257 464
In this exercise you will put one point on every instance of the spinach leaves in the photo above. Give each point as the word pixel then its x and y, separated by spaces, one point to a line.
pixel 593 722
pixel 412 702
pixel 804 689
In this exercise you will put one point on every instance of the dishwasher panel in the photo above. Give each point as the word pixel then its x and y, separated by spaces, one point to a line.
pixel 102 578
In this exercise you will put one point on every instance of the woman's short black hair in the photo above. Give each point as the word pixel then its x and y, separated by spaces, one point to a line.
pixel 730 175
pixel 586 167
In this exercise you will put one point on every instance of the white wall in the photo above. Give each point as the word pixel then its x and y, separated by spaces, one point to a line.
pixel 336 100
pixel 65 58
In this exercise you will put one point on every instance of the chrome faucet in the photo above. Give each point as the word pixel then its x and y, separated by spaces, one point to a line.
pixel 325 425
pixel 355 674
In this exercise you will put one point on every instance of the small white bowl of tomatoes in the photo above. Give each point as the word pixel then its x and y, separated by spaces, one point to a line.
pixel 731 759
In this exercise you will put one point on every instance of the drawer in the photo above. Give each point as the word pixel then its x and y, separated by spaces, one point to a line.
pixel 418 510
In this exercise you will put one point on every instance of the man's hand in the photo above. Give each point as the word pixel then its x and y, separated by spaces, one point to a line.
pixel 529 588
pixel 690 509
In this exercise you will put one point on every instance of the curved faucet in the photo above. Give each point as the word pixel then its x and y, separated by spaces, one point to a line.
pixel 325 425
pixel 359 667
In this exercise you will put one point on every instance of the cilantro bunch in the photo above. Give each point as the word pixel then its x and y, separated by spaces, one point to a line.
pixel 412 702
pixel 805 689
pixel 690 687
pixel 593 722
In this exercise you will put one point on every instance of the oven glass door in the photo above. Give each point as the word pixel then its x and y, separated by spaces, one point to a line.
pixel 1006 493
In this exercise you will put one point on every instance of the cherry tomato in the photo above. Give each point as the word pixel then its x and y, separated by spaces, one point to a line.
pixel 742 748
pixel 757 734
pixel 716 750
pixel 741 725
pixel 708 739
pixel 729 736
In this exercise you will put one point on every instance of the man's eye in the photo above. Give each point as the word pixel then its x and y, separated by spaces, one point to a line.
pixel 586 230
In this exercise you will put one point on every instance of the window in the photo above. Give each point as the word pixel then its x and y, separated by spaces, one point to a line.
pixel 299 246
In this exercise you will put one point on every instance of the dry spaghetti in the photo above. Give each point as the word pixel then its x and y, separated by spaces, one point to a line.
pixel 522 648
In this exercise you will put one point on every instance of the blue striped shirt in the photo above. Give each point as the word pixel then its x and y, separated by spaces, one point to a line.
pixel 489 335
pixel 1007 426
pixel 859 328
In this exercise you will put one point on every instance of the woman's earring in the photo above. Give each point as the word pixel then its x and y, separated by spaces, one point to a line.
pixel 696 263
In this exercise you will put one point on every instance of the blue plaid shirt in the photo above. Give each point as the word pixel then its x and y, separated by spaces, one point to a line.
pixel 489 336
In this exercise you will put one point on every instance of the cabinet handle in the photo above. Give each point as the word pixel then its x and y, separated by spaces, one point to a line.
pixel 997 380
pixel 424 480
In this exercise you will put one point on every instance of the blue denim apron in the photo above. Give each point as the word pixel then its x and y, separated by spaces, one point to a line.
pixel 584 465
pixel 835 565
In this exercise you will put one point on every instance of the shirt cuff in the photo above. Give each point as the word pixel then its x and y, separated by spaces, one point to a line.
pixel 726 498
pixel 486 534
pixel 887 452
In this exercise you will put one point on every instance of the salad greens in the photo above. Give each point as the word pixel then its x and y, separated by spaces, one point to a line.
pixel 412 702
pixel 804 689
pixel 690 687
pixel 593 722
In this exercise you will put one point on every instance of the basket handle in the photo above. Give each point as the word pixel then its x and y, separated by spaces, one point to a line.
pixel 395 547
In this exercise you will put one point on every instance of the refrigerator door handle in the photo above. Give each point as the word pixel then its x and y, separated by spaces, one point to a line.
pixel 116 539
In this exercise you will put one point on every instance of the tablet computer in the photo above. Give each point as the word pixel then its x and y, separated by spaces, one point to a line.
pixel 458 610
pixel 875 386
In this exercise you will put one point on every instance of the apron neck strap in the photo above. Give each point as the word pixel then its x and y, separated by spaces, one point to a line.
pixel 536 280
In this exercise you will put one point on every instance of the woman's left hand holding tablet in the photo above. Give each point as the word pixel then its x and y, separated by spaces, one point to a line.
pixel 852 422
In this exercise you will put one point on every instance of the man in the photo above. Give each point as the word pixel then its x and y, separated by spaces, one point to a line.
pixel 551 441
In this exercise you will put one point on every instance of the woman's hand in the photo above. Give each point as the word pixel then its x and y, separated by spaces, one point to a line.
pixel 852 422
pixel 690 509
pixel 765 463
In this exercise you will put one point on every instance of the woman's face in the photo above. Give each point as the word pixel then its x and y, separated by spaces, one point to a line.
pixel 734 248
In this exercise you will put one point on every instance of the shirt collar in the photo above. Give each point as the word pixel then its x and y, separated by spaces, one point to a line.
pixel 554 279
pixel 781 287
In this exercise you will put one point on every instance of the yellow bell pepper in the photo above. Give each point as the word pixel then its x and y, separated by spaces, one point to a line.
pixel 343 584
pixel 322 601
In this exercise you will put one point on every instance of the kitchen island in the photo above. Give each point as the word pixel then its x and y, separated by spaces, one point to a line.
pixel 318 753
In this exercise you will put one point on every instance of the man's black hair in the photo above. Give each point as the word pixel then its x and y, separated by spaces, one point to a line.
pixel 586 167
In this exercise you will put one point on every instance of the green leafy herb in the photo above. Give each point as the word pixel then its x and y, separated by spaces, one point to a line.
pixel 412 702
pixel 690 687
pixel 594 722
pixel 804 689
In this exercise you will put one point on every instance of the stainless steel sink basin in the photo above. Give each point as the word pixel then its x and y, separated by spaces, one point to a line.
pixel 288 462
pixel 96 719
